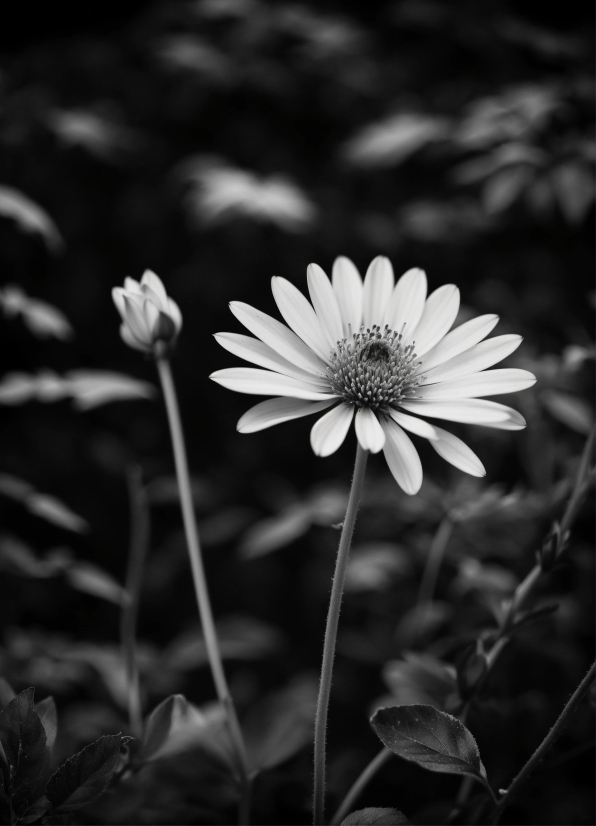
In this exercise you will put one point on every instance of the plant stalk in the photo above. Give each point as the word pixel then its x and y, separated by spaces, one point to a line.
pixel 546 744
pixel 200 582
pixel 331 635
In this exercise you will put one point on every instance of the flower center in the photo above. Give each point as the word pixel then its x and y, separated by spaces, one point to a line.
pixel 373 368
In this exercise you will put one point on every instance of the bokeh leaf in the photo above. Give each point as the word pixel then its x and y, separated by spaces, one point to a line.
pixel 176 726
pixel 572 411
pixel 41 318
pixel 376 816
pixel 29 217
pixel 281 724
pixel 93 388
pixel 431 738
pixel 91 579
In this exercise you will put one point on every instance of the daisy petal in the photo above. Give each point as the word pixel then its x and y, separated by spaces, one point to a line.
pixel 275 411
pixel 330 431
pixel 417 426
pixel 378 285
pixel 437 318
pixel 156 284
pixel 278 337
pixel 457 453
pixel 477 358
pixel 300 316
pixel 458 340
pixel 514 420
pixel 266 383
pixel 257 352
pixel 468 411
pixel 118 298
pixel 486 383
pixel 369 432
pixel 325 304
pixel 402 458
pixel 407 302
pixel 347 286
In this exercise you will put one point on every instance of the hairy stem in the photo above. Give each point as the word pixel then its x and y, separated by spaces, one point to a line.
pixel 425 597
pixel 200 581
pixel 331 634
pixel 139 542
pixel 546 744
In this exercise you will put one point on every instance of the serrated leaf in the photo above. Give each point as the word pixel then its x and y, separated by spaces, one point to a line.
pixel 84 776
pixel 46 709
pixel 23 740
pixel 431 738
pixel 36 810
pixel 376 816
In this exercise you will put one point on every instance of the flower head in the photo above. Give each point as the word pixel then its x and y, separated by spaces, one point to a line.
pixel 380 354
pixel 151 321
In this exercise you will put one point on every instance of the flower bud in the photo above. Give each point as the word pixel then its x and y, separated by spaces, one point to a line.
pixel 151 321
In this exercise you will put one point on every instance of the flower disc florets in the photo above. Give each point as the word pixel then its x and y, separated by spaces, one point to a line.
pixel 374 369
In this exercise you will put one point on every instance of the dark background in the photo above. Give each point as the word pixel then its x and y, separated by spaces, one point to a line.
pixel 118 124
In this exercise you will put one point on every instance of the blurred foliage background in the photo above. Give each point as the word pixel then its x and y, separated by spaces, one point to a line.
pixel 220 142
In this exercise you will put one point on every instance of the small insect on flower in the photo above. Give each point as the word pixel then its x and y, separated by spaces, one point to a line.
pixel 151 321
pixel 379 353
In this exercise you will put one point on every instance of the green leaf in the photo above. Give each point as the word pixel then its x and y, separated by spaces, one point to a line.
pixel 36 810
pixel 84 776
pixel 46 709
pixel 158 725
pixel 431 738
pixel 281 724
pixel 23 740
pixel 377 816
pixel 176 726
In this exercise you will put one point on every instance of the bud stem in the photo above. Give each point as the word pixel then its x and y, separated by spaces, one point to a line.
pixel 200 582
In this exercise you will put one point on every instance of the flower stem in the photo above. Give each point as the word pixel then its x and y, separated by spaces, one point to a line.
pixel 546 744
pixel 139 542
pixel 331 634
pixel 360 784
pixel 200 582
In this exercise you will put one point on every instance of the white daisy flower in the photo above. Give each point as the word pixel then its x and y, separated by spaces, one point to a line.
pixel 380 354
pixel 151 321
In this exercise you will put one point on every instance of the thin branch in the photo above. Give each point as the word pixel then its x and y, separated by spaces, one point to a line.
pixel 546 744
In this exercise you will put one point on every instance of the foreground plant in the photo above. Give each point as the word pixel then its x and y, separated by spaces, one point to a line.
pixel 27 791
pixel 151 322
pixel 376 353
